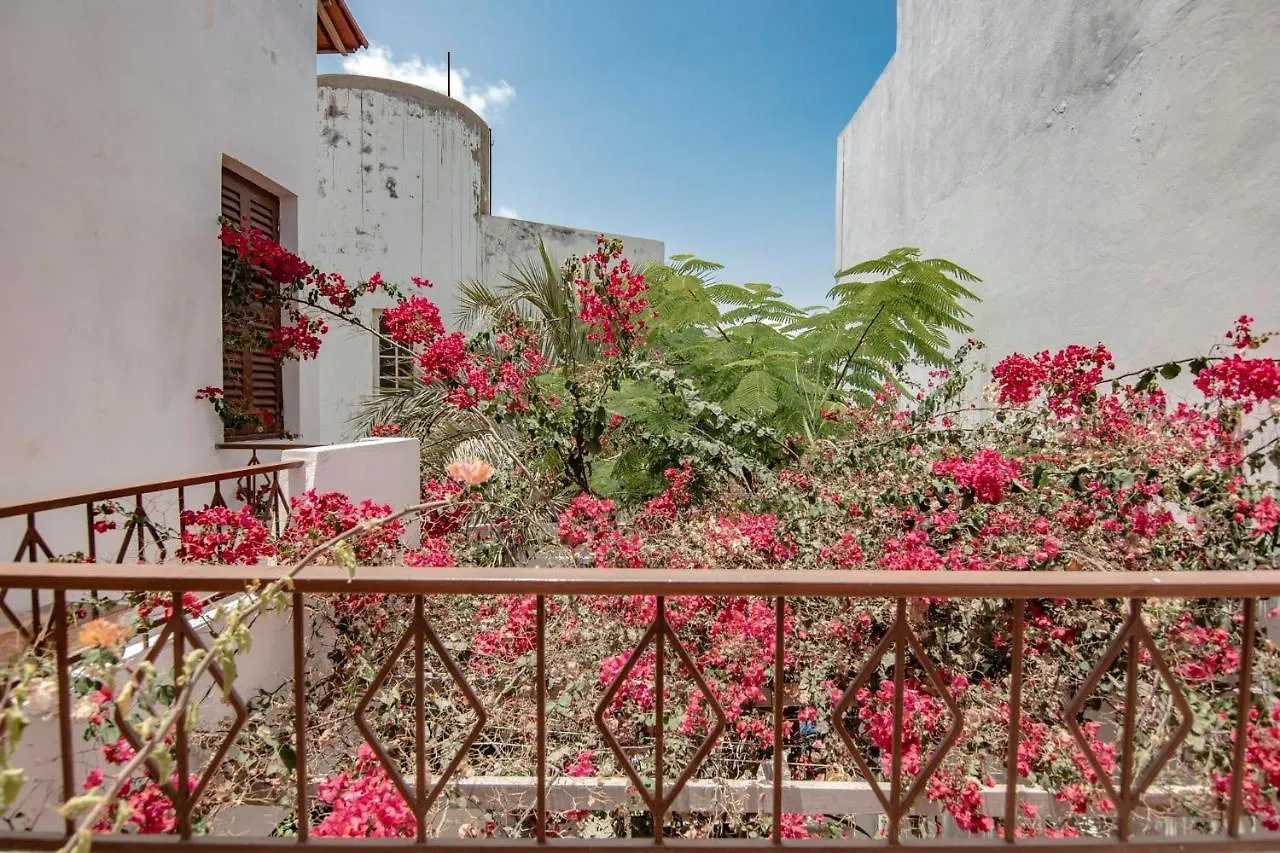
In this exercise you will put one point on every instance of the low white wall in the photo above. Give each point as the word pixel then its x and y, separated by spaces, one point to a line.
pixel 509 242
pixel 383 470
pixel 267 665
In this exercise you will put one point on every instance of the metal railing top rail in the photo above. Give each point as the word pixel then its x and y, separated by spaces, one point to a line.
pixel 173 844
pixel 837 583
pixel 133 489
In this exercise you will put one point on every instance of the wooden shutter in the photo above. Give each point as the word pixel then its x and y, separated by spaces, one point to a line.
pixel 251 379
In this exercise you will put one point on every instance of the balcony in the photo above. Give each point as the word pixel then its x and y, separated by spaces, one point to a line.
pixel 504 745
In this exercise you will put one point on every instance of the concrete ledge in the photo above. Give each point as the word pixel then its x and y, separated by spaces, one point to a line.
pixel 383 470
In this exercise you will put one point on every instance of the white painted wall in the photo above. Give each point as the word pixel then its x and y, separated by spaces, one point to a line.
pixel 508 242
pixel 119 117
pixel 403 189
pixel 266 665
pixel 1109 168
pixel 403 175
pixel 383 470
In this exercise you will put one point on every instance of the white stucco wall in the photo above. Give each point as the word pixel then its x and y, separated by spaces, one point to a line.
pixel 119 117
pixel 508 242
pixel 265 666
pixel 383 470
pixel 403 189
pixel 1108 168
pixel 403 177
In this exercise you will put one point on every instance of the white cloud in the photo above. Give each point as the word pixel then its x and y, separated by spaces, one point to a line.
pixel 506 213
pixel 377 61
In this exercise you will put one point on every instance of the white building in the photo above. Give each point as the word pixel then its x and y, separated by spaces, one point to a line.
pixel 131 126
pixel 404 189
pixel 130 115
pixel 1108 168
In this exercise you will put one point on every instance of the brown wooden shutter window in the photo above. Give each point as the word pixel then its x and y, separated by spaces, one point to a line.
pixel 251 379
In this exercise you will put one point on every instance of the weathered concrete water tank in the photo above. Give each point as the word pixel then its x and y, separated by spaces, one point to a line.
pixel 403 181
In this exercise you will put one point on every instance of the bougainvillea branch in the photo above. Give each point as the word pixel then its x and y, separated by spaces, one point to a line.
pixel 92 809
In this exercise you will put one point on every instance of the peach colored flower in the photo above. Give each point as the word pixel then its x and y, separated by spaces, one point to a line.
pixel 101 633
pixel 470 471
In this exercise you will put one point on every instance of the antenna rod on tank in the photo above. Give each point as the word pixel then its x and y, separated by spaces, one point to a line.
pixel 448 73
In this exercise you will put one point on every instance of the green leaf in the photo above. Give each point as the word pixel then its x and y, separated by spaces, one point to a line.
pixel 81 843
pixel 1037 474
pixel 164 764
pixel 1171 370
pixel 755 394
pixel 79 805
pixel 11 782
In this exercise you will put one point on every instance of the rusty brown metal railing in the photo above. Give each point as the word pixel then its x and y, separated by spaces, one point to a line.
pixel 273 446
pixel 140 538
pixel 1248 588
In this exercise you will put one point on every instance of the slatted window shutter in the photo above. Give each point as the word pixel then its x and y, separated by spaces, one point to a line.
pixel 251 379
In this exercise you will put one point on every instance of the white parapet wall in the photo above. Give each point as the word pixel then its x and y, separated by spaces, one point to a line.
pixel 383 470
pixel 403 189
pixel 509 243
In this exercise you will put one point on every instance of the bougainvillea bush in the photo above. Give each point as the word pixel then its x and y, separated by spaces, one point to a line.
pixel 1063 465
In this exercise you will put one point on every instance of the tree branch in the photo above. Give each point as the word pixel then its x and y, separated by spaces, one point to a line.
pixel 848 362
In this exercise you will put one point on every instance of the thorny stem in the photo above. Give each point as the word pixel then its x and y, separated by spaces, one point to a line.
pixel 354 321
pixel 80 839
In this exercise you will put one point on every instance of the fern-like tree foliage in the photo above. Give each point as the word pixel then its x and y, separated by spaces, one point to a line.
pixel 904 309
pixel 757 354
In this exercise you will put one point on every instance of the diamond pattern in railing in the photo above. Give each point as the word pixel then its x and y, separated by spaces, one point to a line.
pixel 1134 630
pixel 192 642
pixel 656 805
pixel 419 633
pixel 900 634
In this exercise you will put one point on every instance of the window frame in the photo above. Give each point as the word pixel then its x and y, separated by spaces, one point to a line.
pixel 403 362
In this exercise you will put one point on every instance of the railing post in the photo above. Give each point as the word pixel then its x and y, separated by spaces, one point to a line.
pixel 659 679
pixel 420 713
pixel 899 724
pixel 1244 705
pixel 540 715
pixel 62 661
pixel 300 717
pixel 779 607
pixel 138 516
pixel 183 806
pixel 1015 721
pixel 1124 808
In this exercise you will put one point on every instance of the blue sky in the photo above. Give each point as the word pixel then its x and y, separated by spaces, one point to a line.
pixel 709 124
